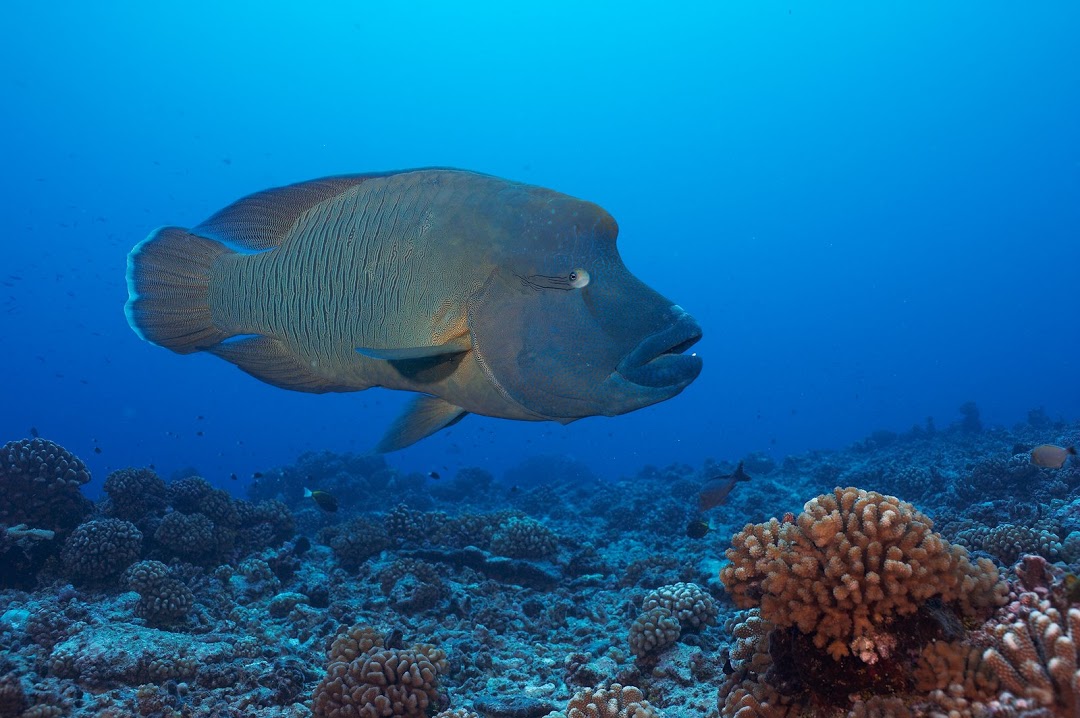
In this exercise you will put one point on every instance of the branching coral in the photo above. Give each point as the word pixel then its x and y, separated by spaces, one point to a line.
pixel 99 550
pixel 1009 541
pixel 379 682
pixel 403 524
pixel 39 485
pixel 617 701
pixel 163 599
pixel 135 494
pixel 750 648
pixel 353 642
pixel 1038 659
pixel 688 602
pixel 412 585
pixel 524 538
pixel 187 494
pixel 188 536
pixel 850 564
pixel 653 631
pixel 942 664
pixel 355 542
pixel 666 613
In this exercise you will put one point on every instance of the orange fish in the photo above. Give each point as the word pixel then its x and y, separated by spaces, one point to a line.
pixel 715 491
pixel 1050 456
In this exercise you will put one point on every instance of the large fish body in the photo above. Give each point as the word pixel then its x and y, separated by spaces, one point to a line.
pixel 484 295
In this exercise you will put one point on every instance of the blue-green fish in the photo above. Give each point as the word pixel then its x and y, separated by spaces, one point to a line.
pixel 483 295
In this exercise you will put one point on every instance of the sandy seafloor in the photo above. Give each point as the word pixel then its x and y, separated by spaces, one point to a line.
pixel 167 597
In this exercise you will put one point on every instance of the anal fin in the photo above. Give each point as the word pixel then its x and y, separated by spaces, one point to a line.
pixel 271 361
pixel 425 416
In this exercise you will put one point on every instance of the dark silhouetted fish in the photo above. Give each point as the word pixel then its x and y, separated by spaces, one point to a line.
pixel 716 489
pixel 484 295
pixel 1050 456
pixel 697 528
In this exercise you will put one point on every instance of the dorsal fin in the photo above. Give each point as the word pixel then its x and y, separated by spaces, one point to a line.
pixel 260 221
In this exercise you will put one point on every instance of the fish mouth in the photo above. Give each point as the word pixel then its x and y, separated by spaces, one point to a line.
pixel 659 360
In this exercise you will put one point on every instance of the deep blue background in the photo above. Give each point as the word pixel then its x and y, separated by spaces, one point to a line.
pixel 873 212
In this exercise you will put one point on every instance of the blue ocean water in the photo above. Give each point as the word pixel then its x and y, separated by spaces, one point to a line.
pixel 872 211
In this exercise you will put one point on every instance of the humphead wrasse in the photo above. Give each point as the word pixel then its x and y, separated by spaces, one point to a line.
pixel 483 295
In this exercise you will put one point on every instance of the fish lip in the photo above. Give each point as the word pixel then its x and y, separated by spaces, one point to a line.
pixel 659 361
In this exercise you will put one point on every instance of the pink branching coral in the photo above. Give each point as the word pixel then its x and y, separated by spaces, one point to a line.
pixel 850 564
pixel 379 682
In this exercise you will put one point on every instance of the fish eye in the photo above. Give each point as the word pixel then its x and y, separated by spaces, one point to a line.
pixel 579 278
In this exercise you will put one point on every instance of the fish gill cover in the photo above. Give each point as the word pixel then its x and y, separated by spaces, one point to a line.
pixel 869 213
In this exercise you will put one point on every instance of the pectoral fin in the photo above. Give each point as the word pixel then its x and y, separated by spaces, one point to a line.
pixel 456 345
pixel 425 416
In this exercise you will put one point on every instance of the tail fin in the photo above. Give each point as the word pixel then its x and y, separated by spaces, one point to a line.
pixel 168 278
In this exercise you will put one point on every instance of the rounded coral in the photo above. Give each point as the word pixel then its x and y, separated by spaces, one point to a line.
pixel 849 564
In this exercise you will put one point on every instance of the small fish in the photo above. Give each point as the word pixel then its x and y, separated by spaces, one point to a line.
pixel 257 475
pixel 34 432
pixel 97 449
pixel 198 433
pixel 302 545
pixel 1071 583
pixel 716 489
pixel 1050 456
pixel 698 528
pixel 434 475
pixel 322 499
pixel 233 476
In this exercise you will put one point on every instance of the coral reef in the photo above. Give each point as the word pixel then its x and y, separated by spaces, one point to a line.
pixel 1036 657
pixel 555 591
pixel 689 603
pixel 616 701
pixel 187 536
pixel 666 613
pixel 100 550
pixel 135 494
pixel 39 486
pixel 850 564
pixel 524 538
pixel 163 599
pixel 379 682
pixel 357 541
pixel 1008 542
pixel 653 631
